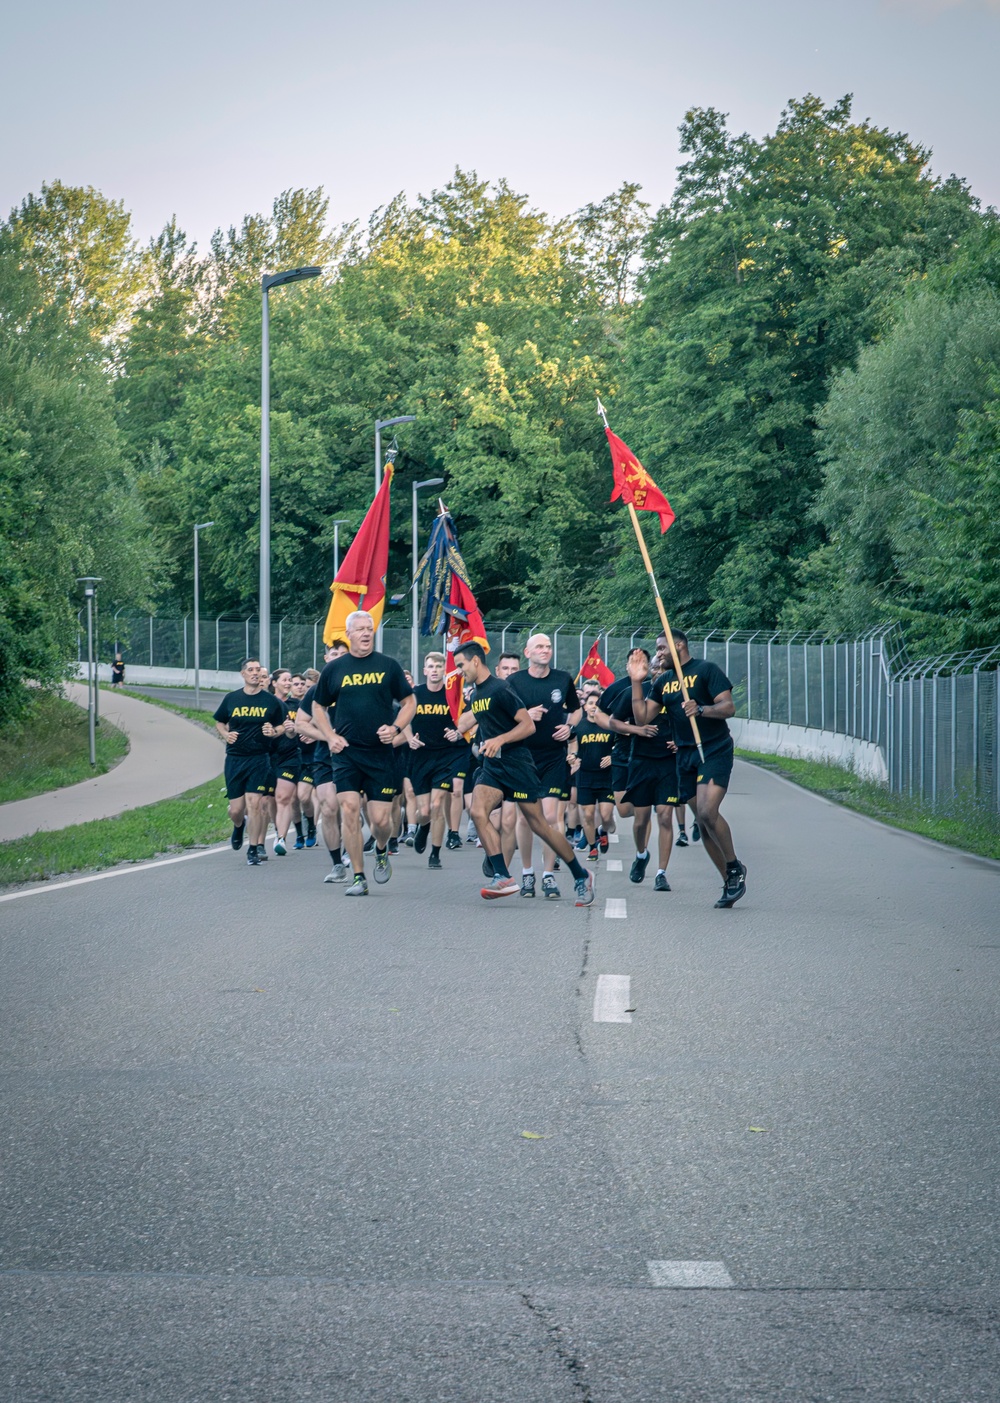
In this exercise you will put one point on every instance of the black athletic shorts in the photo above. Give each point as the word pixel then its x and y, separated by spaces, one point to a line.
pixel 306 772
pixel 289 772
pixel 248 774
pixel 322 771
pixel 404 760
pixel 553 774
pixel 652 782
pixel 619 775
pixel 717 767
pixel 431 769
pixel 516 780
pixel 465 764
pixel 596 792
pixel 365 770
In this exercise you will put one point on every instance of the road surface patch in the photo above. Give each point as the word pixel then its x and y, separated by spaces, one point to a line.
pixel 690 1275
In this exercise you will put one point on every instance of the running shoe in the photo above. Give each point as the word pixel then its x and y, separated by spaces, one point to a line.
pixel 393 848
pixel 584 888
pixel 252 859
pixel 580 841
pixel 682 839
pixel 279 847
pixel 300 842
pixel 369 843
pixel 453 842
pixel 337 873
pixel 549 889
pixel 237 838
pixel 500 886
pixel 734 886
pixel 383 870
pixel 408 838
pixel 436 864
pixel 359 887
pixel 420 837
pixel 638 869
pixel 472 837
pixel 528 884
pixel 595 854
pixel 487 865
pixel 695 833
pixel 602 841
pixel 310 841
pixel 261 853
pixel 661 883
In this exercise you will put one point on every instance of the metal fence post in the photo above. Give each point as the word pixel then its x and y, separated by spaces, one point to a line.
pixel 805 673
pixel 975 731
pixel 954 732
pixel 911 738
pixel 822 684
pixel 151 640
pixel 934 743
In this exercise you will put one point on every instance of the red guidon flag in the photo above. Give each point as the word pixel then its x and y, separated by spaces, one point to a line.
pixel 634 485
pixel 360 582
pixel 594 666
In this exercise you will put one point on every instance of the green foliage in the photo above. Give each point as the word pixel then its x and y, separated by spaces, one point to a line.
pixel 49 747
pixel 774 262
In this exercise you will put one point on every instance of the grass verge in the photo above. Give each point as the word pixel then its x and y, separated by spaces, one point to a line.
pixel 195 819
pixel 49 748
pixel 974 831
pixel 200 718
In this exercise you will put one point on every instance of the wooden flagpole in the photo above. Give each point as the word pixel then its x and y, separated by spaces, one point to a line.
pixel 659 603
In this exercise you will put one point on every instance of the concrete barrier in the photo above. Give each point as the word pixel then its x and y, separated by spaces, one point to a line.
pixel 809 743
pixel 168 677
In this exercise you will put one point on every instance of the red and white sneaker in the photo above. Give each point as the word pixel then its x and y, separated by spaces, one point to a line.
pixel 500 886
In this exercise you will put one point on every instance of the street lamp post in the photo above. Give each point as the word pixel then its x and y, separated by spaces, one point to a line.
pixel 269 280
pixel 90 583
pixel 341 521
pixel 200 526
pixel 414 628
pixel 381 424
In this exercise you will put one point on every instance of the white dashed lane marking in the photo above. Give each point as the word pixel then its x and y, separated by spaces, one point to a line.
pixel 615 908
pixel 614 865
pixel 611 999
pixel 612 837
pixel 690 1275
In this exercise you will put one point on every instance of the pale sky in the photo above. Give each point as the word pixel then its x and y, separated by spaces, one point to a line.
pixel 210 109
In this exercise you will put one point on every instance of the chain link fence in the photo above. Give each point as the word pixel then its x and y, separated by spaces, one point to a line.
pixel 936 722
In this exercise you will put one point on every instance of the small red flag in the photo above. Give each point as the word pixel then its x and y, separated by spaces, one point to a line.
pixel 633 483
pixel 465 625
pixel 595 666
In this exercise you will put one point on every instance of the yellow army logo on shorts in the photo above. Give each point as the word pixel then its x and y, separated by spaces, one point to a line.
pixel 390 792
pixel 519 795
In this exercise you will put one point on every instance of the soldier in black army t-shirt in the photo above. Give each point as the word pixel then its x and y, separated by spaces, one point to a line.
pixel 247 720
pixel 508 772
pixel 710 700
pixel 363 685
pixel 432 766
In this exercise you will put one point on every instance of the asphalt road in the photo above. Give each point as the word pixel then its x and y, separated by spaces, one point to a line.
pixel 261 1142
pixel 181 696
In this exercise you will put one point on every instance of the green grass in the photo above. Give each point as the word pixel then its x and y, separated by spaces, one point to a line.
pixel 49 748
pixel 195 819
pixel 200 718
pixel 974 830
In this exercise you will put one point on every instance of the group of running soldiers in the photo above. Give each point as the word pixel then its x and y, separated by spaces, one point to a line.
pixel 530 756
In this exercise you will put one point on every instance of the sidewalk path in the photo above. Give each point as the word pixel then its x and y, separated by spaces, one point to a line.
pixel 167 755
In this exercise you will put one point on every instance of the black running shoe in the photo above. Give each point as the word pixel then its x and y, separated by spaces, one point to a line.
pixel 638 869
pixel 735 886
pixel 261 853
pixel 528 884
pixel 393 848
pixel 237 838
pixel 370 843
pixel 682 839
pixel 487 866
pixel 695 833
pixel 661 883
pixel 420 838
pixel 602 841
pixel 252 859
pixel 435 862
pixel 453 842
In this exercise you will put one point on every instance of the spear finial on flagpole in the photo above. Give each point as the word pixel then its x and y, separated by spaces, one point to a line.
pixel 601 411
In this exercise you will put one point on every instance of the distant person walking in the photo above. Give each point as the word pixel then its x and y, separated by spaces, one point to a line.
pixel 118 671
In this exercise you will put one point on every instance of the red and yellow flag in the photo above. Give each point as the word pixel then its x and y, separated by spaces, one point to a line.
pixel 634 485
pixel 360 582
pixel 595 666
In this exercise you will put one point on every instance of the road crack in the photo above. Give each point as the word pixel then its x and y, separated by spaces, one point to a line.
pixel 564 1351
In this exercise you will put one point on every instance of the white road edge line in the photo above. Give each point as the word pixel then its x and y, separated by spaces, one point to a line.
pixel 115 872
pixel 615 908
pixel 690 1275
pixel 611 999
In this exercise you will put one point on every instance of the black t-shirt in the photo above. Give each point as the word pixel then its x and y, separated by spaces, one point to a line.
pixel 495 706
pixel 606 703
pixel 704 681
pixel 594 743
pixel 285 747
pixel 118 672
pixel 432 717
pixel 364 690
pixel 644 747
pixel 247 715
pixel 557 693
pixel 313 749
